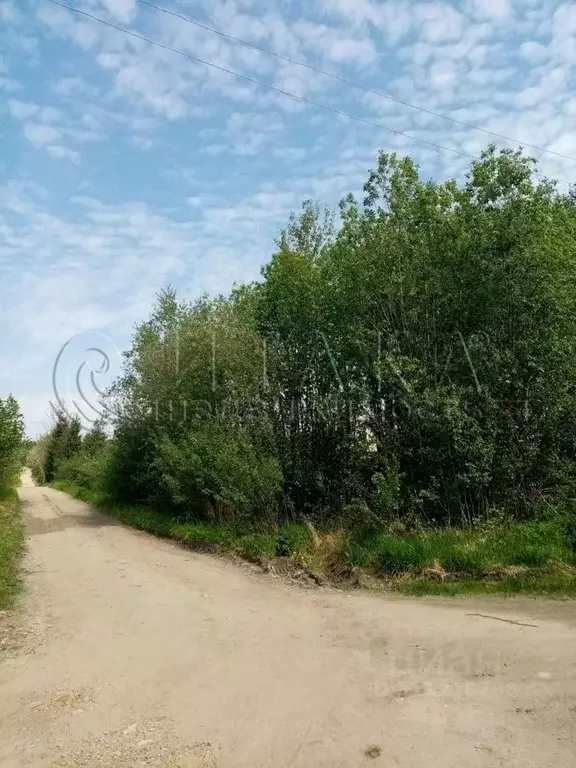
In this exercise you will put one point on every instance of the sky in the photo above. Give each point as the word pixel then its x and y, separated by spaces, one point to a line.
pixel 125 167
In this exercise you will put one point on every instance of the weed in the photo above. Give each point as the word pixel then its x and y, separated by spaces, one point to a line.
pixel 255 546
pixel 400 555
pixel 292 540
pixel 12 545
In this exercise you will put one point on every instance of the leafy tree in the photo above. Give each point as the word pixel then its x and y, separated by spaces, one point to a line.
pixel 64 442
pixel 95 441
pixel 11 441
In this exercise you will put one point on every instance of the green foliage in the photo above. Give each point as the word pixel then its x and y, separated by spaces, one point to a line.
pixel 255 546
pixel 481 551
pixel 549 582
pixel 463 555
pixel 11 440
pixel 292 540
pixel 570 526
pixel 399 555
pixel 64 441
pixel 386 493
pixel 36 459
pixel 95 441
pixel 12 545
pixel 12 534
pixel 218 475
pixel 87 470
pixel 411 369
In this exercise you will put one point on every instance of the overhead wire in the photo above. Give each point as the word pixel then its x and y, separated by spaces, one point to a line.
pixel 351 83
pixel 273 88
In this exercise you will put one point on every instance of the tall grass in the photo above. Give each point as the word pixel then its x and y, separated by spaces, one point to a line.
pixel 472 552
pixel 12 545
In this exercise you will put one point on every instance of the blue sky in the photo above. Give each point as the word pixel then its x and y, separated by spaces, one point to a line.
pixel 124 167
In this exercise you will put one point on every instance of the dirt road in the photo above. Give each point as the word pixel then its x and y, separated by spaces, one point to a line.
pixel 137 653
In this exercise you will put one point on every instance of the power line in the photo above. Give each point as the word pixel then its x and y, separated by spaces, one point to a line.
pixel 351 83
pixel 290 95
pixel 273 88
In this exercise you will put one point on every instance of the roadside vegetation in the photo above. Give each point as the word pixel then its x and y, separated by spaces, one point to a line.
pixel 396 397
pixel 11 525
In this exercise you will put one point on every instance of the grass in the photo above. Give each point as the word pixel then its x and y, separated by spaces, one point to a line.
pixel 546 582
pixel 473 552
pixel 12 545
pixel 531 558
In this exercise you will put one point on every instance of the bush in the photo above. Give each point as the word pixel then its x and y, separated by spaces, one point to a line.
pixel 12 536
pixel 87 470
pixel 64 441
pixel 255 546
pixel 12 545
pixel 218 475
pixel 570 528
pixel 292 539
pixel 400 555
pixel 474 552
pixel 36 459
pixel 11 437
pixel 202 533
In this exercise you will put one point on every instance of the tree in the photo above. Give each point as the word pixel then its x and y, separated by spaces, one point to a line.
pixel 64 441
pixel 11 440
pixel 95 441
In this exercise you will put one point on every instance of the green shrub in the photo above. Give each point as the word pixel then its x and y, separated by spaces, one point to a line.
pixel 202 533
pixel 292 539
pixel 36 459
pixel 463 562
pixel 529 555
pixel 85 469
pixel 11 437
pixel 145 519
pixel 399 555
pixel 64 441
pixel 358 556
pixel 12 545
pixel 256 546
pixel 570 527
pixel 218 475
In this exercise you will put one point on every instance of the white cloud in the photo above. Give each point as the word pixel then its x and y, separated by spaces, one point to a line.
pixel 439 21
pixel 63 153
pixel 395 19
pixel 9 12
pixel 21 110
pixel 9 85
pixel 564 21
pixel 533 52
pixel 69 86
pixel 357 11
pixel 358 51
pixel 492 9
pixel 123 10
pixel 61 21
pixel 41 134
pixel 443 75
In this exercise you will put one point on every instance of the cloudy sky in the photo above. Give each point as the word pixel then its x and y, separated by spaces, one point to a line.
pixel 125 166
